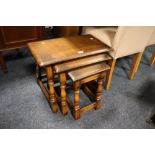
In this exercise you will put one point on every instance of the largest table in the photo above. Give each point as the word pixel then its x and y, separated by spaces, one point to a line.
pixel 47 53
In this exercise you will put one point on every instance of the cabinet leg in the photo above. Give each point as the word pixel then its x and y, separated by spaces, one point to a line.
pixel 3 64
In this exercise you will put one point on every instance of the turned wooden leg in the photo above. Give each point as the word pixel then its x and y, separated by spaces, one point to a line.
pixel 3 64
pixel 38 72
pixel 52 97
pixel 109 73
pixel 135 65
pixel 64 107
pixel 76 110
pixel 99 92
pixel 152 60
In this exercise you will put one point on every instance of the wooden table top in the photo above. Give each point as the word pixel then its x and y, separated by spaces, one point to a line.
pixel 52 51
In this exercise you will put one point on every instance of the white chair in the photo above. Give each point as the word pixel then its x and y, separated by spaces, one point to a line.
pixel 124 40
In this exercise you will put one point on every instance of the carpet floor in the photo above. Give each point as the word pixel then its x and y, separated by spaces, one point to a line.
pixel 127 104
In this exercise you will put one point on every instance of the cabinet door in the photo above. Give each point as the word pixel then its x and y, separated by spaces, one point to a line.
pixel 18 35
pixel 64 31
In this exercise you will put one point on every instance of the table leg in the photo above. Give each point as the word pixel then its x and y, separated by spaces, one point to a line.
pixel 99 92
pixel 38 72
pixel 64 107
pixel 52 97
pixel 76 107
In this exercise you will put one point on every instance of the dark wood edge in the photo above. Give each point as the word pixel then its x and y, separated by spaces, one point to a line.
pixel 88 107
pixel 80 66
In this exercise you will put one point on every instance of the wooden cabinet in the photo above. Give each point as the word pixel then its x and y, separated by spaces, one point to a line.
pixel 63 31
pixel 17 36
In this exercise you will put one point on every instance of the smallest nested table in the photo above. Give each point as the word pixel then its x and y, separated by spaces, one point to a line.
pixel 48 53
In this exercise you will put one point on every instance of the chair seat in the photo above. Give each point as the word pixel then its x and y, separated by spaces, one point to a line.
pixel 67 66
pixel 85 72
pixel 105 35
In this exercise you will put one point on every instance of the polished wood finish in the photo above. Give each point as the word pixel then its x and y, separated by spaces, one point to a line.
pixel 52 51
pixel 152 60
pixel 90 78
pixel 87 71
pixel 76 106
pixel 85 75
pixel 17 36
pixel 64 107
pixel 135 64
pixel 65 31
pixel 52 97
pixel 111 63
pixel 70 65
pixel 49 53
pixel 99 91
pixel 65 67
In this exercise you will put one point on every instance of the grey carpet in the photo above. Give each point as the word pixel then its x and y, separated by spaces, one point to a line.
pixel 126 105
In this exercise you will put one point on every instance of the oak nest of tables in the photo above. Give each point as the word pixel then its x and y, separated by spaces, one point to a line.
pixel 73 52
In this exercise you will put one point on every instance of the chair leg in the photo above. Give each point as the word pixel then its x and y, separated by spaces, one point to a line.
pixel 76 110
pixel 152 60
pixel 64 107
pixel 110 73
pixel 135 65
pixel 99 93
pixel 3 64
